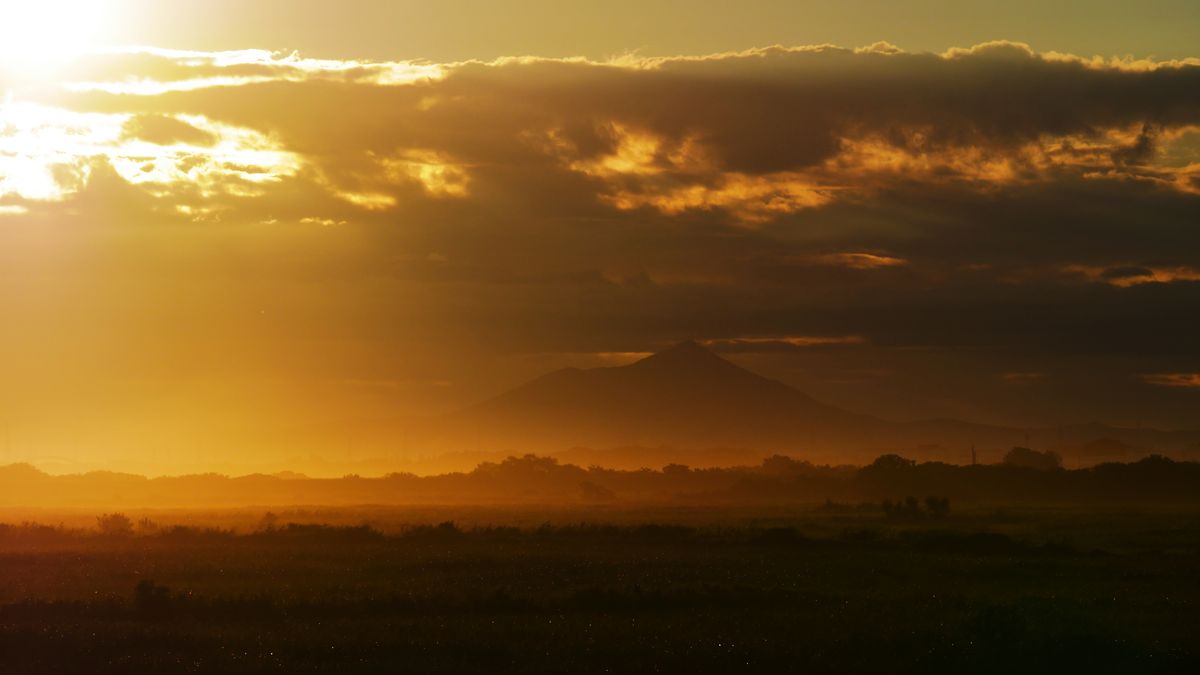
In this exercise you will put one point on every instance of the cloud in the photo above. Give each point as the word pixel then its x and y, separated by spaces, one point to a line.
pixel 164 130
pixel 1123 272
pixel 985 210
pixel 149 71
pixel 1186 380
pixel 783 343
pixel 1125 276
pixel 48 153
pixel 756 135
pixel 859 260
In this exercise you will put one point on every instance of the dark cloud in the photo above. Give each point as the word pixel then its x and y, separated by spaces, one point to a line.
pixel 1140 150
pixel 758 112
pixel 1127 272
pixel 165 130
pixel 906 233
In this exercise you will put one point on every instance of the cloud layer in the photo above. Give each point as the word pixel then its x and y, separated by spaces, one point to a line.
pixel 982 232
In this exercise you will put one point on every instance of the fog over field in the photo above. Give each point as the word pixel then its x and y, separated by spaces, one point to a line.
pixel 613 336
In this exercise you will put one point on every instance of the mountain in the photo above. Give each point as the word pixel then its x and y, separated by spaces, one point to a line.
pixel 684 405
pixel 685 396
pixel 689 397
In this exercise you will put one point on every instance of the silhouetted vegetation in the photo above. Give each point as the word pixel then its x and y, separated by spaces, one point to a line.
pixel 1026 458
pixel 818 590
pixel 784 566
pixel 910 507
pixel 151 600
pixel 1025 476
pixel 114 525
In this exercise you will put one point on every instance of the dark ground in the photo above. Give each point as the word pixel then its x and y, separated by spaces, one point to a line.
pixel 1027 591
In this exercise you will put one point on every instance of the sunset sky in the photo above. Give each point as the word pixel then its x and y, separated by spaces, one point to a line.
pixel 219 218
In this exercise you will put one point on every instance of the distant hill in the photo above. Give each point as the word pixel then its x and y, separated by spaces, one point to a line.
pixel 687 405
pixel 685 396
pixel 544 481
pixel 689 397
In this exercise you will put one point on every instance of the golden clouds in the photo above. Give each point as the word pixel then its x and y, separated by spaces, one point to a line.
pixel 1125 276
pixel 644 170
pixel 860 261
pixel 436 172
pixel 371 201
pixel 1186 380
pixel 362 220
pixel 750 199
pixel 44 150
pixel 48 153
pixel 146 71
pixel 784 342
pixel 754 136
pixel 636 153
pixel 378 183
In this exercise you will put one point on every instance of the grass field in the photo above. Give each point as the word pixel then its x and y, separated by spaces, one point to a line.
pixel 700 590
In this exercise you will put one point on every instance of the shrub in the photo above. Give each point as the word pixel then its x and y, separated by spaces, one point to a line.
pixel 1032 459
pixel 151 599
pixel 114 525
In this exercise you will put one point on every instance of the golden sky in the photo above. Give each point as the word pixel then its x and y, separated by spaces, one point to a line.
pixel 220 219
pixel 455 30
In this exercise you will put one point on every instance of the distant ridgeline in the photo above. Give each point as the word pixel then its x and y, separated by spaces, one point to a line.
pixel 1025 477
pixel 687 397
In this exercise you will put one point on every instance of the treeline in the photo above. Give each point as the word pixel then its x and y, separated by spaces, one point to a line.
pixel 541 480
pixel 448 534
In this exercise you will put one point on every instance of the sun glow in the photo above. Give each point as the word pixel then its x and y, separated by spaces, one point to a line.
pixel 48 153
pixel 38 36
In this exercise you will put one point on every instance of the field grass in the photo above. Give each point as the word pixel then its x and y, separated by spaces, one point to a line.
pixel 609 590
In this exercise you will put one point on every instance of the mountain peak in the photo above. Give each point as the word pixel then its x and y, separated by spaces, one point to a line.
pixel 682 396
pixel 688 355
pixel 687 347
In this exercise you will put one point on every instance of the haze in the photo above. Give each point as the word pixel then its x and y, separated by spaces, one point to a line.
pixel 266 236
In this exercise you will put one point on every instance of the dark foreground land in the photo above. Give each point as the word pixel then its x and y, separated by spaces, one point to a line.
pixel 827 590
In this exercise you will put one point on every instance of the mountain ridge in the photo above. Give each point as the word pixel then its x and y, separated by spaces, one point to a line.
pixel 688 396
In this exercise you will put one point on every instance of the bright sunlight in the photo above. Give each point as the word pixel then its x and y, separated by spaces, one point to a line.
pixel 36 37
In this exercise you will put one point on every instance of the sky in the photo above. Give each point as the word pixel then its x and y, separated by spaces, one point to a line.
pixel 221 218
pixel 455 30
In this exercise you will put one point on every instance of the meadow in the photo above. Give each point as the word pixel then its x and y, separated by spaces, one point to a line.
pixel 826 588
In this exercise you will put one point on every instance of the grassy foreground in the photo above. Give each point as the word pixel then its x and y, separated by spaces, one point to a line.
pixel 701 591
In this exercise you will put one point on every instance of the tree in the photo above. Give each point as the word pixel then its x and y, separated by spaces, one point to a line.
pixel 938 507
pixel 910 507
pixel 269 522
pixel 114 525
pixel 891 462
pixel 1032 459
pixel 782 465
